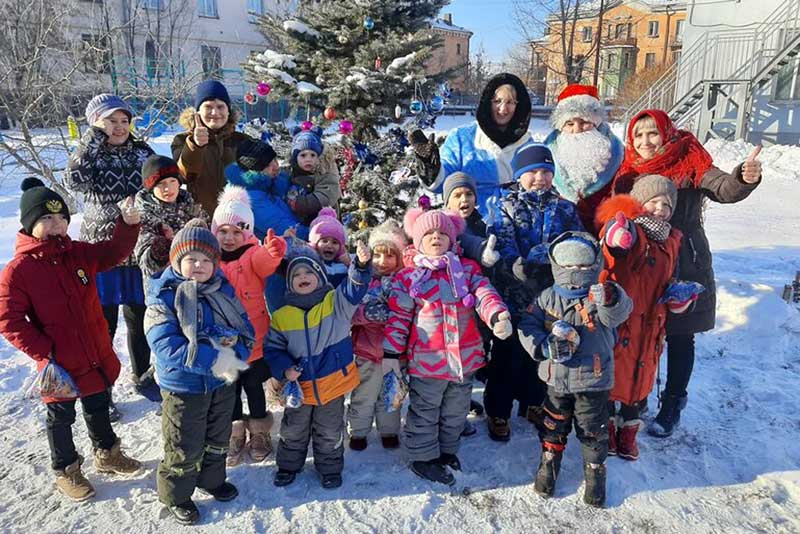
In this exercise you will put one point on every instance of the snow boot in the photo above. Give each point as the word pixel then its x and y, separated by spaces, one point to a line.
pixel 260 443
pixel 332 481
pixel 499 429
pixel 626 445
pixel 358 444
pixel 284 477
pixel 434 471
pixel 535 415
pixel 185 513
pixel 71 482
pixel 114 460
pixel 390 442
pixel 236 443
pixel 612 436
pixel 475 408
pixel 469 429
pixel 224 492
pixel 146 386
pixel 547 474
pixel 594 494
pixel 668 418
pixel 450 460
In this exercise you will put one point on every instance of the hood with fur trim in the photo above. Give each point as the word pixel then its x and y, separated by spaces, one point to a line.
pixel 518 126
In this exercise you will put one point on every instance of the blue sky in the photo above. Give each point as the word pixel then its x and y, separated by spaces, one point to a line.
pixel 491 21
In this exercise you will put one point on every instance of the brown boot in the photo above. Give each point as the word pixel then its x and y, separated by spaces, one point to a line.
pixel 236 443
pixel 71 482
pixel 260 443
pixel 499 429
pixel 114 460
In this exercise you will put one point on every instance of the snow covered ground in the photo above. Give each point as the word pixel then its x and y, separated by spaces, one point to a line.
pixel 733 466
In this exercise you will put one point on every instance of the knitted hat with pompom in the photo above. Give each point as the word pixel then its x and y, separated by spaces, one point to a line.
pixel 327 225
pixel 234 209
pixel 418 222
pixel 38 201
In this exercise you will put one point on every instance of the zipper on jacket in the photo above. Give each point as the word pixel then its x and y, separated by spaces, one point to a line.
pixel 310 359
pixel 694 250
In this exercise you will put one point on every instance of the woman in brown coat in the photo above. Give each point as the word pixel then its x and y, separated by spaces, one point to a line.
pixel 209 144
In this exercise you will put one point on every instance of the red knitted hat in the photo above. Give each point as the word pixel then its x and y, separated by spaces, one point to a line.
pixel 578 101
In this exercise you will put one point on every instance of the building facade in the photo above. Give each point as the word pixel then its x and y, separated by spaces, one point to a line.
pixel 454 52
pixel 635 36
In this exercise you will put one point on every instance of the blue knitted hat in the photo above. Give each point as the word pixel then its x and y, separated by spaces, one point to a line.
pixel 211 90
pixel 532 156
pixel 104 105
pixel 306 140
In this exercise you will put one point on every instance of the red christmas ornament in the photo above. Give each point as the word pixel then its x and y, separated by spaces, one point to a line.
pixel 250 98
pixel 329 113
pixel 306 125
pixel 378 63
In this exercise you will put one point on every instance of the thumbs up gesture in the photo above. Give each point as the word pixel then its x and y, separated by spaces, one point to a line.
pixel 276 245
pixel 200 132
pixel 130 213
pixel 618 232
pixel 751 168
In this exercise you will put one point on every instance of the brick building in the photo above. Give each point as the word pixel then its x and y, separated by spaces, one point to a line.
pixel 454 52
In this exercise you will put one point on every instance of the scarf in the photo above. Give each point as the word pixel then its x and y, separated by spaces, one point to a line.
pixel 571 293
pixel 654 228
pixel 455 275
pixel 226 310
pixel 306 302
pixel 681 158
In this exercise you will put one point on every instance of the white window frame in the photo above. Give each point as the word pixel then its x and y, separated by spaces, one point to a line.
pixel 648 64
pixel 586 34
pixel 156 5
pixel 208 9
pixel 255 9
pixel 653 25
pixel 212 74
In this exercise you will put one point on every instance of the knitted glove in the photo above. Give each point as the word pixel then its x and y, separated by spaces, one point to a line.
pixel 519 270
pixel 275 245
pixel 376 312
pixel 490 256
pixel 427 153
pixel 227 366
pixel 502 328
pixel 556 349
pixel 679 296
pixel 619 233
pixel 604 294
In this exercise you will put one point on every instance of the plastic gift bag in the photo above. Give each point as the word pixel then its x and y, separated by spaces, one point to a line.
pixel 394 391
pixel 293 393
pixel 54 381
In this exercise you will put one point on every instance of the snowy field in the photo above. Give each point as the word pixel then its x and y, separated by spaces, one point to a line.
pixel 733 466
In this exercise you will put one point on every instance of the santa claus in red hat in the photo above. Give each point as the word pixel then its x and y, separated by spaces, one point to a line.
pixel 587 154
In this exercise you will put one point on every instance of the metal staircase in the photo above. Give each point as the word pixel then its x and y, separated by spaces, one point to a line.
pixel 710 89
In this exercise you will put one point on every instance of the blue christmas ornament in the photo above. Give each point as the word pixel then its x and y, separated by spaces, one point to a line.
pixel 266 136
pixel 416 107
pixel 437 104
pixel 363 153
pixel 369 23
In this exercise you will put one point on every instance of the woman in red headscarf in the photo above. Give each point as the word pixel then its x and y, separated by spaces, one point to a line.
pixel 654 146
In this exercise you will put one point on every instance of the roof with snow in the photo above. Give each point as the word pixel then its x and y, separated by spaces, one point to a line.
pixel 441 24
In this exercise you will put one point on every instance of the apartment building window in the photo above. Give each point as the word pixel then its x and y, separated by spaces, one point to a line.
pixel 652 28
pixel 621 31
pixel 207 8
pixel 458 49
pixel 212 61
pixel 255 9
pixel 96 55
pixel 679 29
pixel 676 55
pixel 152 4
pixel 627 60
pixel 151 59
pixel 650 60
pixel 610 59
pixel 586 32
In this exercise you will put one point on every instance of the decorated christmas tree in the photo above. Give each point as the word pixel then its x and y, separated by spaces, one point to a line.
pixel 360 61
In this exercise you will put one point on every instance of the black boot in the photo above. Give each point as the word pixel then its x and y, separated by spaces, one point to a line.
pixel 332 480
pixel 434 471
pixel 475 408
pixel 451 461
pixel 185 513
pixel 224 492
pixel 668 418
pixel 595 492
pixel 284 477
pixel 549 466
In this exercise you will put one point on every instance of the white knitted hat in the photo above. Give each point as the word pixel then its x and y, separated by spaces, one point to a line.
pixel 234 209
pixel 389 233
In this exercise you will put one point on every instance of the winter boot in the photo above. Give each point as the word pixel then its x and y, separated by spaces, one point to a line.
pixel 612 436
pixel 549 466
pixel 450 460
pixel 114 460
pixel 358 444
pixel 499 429
pixel 390 442
pixel 626 446
pixel 224 492
pixel 668 418
pixel 475 408
pixel 284 477
pixel 595 492
pixel 260 443
pixel 185 513
pixel 146 386
pixel 469 429
pixel 71 482
pixel 535 415
pixel 236 443
pixel 434 471
pixel 332 481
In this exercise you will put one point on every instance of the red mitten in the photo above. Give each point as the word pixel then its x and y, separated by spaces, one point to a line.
pixel 276 245
pixel 619 232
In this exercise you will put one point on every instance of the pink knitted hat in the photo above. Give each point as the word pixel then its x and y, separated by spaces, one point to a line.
pixel 234 209
pixel 327 225
pixel 418 222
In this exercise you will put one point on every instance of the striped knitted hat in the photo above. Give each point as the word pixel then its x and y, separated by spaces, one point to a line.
pixel 193 237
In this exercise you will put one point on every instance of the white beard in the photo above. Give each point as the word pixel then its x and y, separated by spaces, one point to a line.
pixel 580 157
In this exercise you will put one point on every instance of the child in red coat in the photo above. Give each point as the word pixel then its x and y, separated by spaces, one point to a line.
pixel 50 310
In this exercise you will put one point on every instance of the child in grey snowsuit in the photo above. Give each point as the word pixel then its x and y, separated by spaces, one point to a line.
pixel 571 329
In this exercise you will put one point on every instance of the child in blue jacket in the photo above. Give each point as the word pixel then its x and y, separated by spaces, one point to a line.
pixel 201 337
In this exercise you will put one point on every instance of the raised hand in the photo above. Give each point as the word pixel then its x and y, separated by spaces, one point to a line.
pixel 751 168
pixel 618 232
pixel 130 213
pixel 363 253
pixel 503 329
pixel 276 245
pixel 200 132
pixel 490 256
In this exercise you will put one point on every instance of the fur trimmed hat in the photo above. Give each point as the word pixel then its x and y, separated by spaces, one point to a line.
pixel 391 234
pixel 327 225
pixel 156 168
pixel 418 222
pixel 194 236
pixel 581 101
pixel 234 209
pixel 652 185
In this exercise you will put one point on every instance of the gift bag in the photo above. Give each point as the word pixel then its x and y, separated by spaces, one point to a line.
pixel 394 391
pixel 293 393
pixel 54 381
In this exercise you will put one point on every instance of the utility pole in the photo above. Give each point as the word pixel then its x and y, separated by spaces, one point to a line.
pixel 597 46
pixel 666 40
